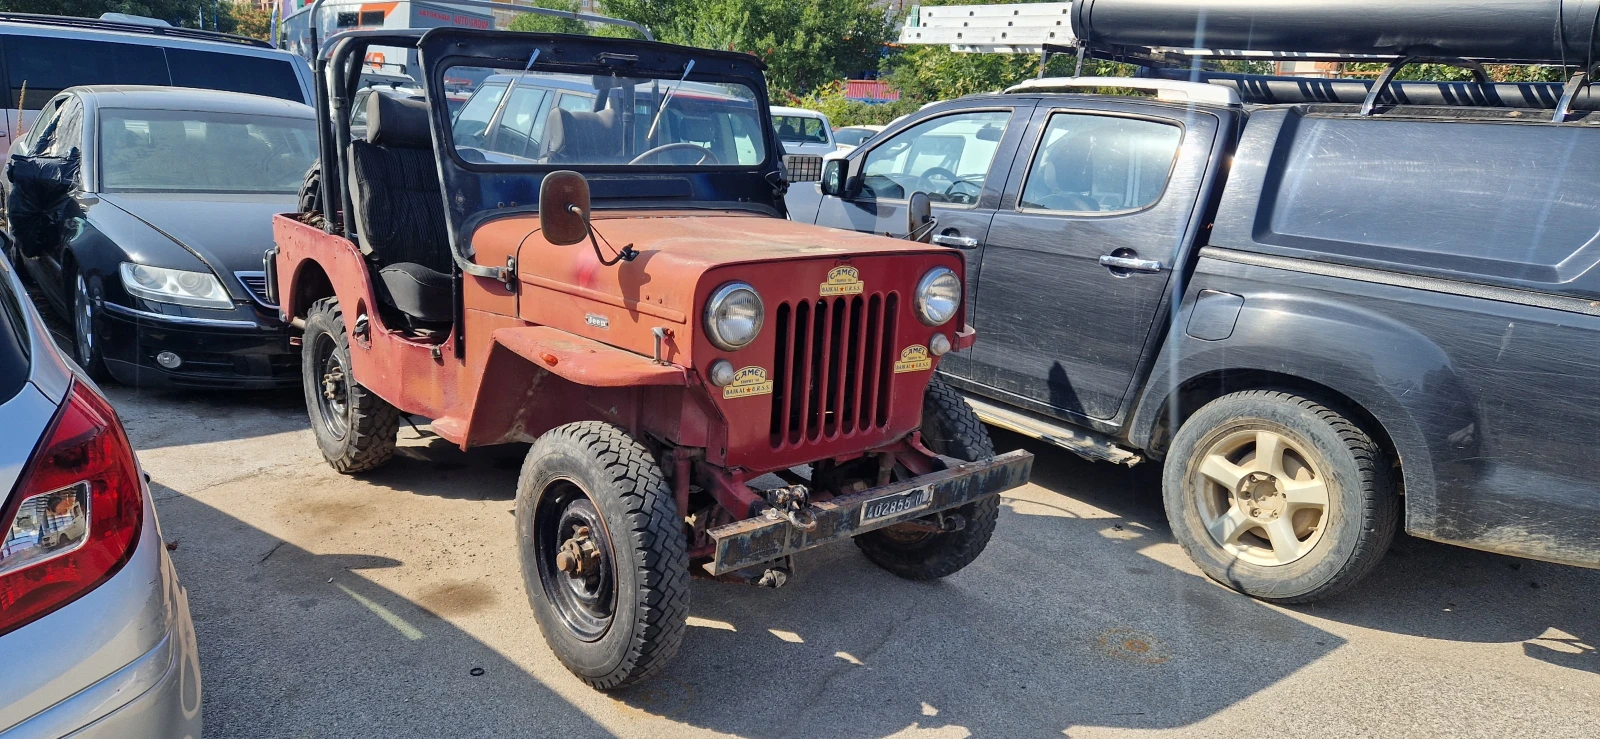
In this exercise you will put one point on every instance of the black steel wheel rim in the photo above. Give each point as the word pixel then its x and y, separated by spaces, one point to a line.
pixel 333 388
pixel 585 603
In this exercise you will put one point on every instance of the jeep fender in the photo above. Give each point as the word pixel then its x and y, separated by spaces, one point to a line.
pixel 538 377
pixel 1390 370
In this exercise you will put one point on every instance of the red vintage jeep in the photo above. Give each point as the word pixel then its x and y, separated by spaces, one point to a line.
pixel 708 387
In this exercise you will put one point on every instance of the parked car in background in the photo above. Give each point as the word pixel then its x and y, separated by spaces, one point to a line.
pixel 41 55
pixel 806 138
pixel 145 214
pixel 94 625
pixel 1321 307
pixel 848 138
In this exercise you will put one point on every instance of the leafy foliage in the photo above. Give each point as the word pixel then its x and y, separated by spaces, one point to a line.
pixel 535 23
pixel 241 18
pixel 805 43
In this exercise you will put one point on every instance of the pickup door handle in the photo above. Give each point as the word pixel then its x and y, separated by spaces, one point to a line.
pixel 1131 264
pixel 959 242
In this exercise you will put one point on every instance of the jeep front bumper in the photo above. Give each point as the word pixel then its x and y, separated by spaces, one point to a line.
pixel 765 538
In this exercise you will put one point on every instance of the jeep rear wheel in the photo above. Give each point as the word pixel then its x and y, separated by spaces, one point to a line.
pixel 355 429
pixel 1279 496
pixel 604 557
pixel 949 427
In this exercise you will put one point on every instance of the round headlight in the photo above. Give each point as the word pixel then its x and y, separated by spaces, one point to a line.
pixel 733 316
pixel 938 296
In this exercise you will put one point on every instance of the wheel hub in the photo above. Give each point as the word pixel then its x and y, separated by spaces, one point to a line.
pixel 578 556
pixel 1260 496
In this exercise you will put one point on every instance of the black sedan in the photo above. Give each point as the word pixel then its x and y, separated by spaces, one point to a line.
pixel 145 213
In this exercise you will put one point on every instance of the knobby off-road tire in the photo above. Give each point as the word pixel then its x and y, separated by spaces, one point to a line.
pixel 949 427
pixel 1312 508
pixel 355 428
pixel 624 620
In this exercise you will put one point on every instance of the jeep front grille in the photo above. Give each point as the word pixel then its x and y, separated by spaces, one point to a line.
pixel 834 365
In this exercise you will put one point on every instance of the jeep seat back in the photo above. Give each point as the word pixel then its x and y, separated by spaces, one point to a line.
pixel 399 210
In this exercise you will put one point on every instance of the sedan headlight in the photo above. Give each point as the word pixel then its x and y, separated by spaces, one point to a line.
pixel 938 296
pixel 197 289
pixel 733 316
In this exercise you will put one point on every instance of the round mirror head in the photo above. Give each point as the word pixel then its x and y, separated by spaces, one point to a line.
pixel 564 207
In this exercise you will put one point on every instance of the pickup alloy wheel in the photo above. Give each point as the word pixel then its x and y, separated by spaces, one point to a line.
pixel 1279 496
pixel 604 557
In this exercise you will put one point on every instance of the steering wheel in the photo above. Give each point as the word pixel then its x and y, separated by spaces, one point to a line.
pixel 962 198
pixel 706 157
pixel 933 176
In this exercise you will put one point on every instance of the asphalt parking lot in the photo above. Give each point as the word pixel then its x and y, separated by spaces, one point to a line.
pixel 391 605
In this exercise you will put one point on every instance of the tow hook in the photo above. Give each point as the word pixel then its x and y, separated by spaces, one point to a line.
pixel 792 503
pixel 774 575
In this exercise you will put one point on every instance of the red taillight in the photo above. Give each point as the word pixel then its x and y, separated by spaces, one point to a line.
pixel 74 516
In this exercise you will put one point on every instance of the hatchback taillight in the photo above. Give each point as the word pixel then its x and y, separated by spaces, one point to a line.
pixel 74 516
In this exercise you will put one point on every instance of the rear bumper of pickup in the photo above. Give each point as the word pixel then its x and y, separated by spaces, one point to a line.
pixel 765 538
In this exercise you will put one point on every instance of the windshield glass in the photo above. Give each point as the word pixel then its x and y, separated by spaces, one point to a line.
pixel 794 129
pixel 199 151
pixel 852 136
pixel 565 119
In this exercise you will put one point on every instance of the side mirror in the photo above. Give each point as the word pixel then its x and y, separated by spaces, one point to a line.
pixel 564 207
pixel 919 217
pixel 832 182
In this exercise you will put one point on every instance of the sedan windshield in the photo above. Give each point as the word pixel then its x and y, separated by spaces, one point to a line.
pixel 203 152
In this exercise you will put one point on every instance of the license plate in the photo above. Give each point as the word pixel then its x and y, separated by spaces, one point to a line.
pixel 889 506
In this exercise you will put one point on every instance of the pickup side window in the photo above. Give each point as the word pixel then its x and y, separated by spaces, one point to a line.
pixel 1100 164
pixel 946 157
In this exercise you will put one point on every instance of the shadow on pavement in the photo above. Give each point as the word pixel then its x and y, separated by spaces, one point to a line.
pixel 312 648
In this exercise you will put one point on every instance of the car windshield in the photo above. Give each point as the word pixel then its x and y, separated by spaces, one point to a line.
pixel 795 129
pixel 852 136
pixel 564 119
pixel 203 152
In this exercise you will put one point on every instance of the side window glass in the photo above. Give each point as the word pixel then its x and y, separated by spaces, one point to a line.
pixel 576 103
pixel 946 157
pixel 1100 164
pixel 40 67
pixel 520 124
pixel 68 133
pixel 43 130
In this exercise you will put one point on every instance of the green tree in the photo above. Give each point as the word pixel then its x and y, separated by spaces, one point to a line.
pixel 805 43
pixel 536 23
pixel 176 12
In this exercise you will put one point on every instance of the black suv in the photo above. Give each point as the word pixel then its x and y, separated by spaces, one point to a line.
pixel 1322 305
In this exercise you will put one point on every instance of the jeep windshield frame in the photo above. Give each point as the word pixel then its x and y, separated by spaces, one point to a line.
pixel 476 190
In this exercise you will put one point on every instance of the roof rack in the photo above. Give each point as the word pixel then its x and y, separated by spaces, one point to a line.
pixel 1165 89
pixel 123 27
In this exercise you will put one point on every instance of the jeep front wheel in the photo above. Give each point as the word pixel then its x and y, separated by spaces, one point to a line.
pixel 355 429
pixel 1278 496
pixel 604 557
pixel 949 427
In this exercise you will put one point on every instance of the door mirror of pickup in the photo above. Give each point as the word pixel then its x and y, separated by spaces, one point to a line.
pixel 833 178
pixel 564 207
pixel 919 217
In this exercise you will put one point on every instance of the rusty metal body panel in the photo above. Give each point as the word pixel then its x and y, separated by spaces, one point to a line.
pixel 574 340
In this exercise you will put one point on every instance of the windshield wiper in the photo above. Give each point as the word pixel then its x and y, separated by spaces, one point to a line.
pixel 667 98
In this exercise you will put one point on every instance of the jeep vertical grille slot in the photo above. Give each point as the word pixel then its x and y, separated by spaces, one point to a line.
pixel 831 368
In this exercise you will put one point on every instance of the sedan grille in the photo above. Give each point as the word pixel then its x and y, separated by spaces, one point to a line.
pixel 832 372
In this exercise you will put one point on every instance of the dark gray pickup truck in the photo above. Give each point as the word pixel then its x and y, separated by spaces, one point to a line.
pixel 1322 305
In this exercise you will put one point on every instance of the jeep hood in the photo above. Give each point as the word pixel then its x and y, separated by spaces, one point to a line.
pixel 675 249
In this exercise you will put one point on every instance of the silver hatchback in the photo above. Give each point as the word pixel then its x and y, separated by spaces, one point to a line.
pixel 95 634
